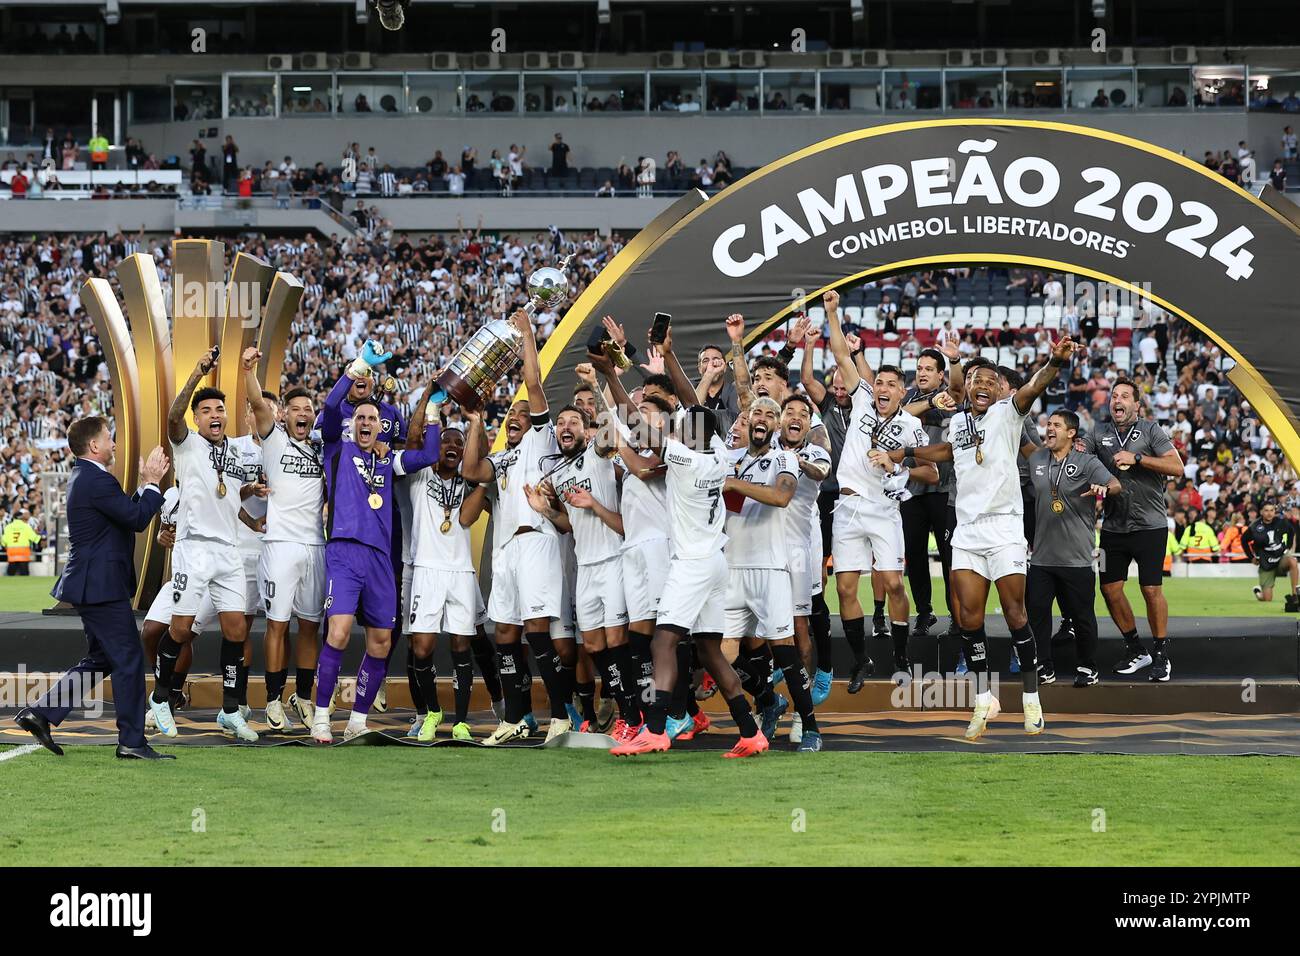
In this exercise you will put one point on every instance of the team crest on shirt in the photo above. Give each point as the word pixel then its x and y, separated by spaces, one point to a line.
pixel 1071 470
pixel 764 464
pixel 385 425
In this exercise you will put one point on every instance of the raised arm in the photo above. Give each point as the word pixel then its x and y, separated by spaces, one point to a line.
pixel 532 369
pixel 177 427
pixel 807 376
pixel 475 466
pixel 418 417
pixel 263 414
pixel 682 386
pixel 839 346
pixel 1028 393
pixel 410 460
pixel 473 505
pixel 331 427
pixel 736 359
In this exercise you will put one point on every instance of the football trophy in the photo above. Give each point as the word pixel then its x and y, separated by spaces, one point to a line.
pixel 495 349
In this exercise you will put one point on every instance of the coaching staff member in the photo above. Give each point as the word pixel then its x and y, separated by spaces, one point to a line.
pixel 98 581
pixel 1138 452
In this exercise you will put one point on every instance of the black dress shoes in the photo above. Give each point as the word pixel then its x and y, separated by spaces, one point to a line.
pixel 141 753
pixel 38 727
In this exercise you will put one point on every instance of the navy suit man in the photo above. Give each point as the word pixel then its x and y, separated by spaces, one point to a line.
pixel 99 580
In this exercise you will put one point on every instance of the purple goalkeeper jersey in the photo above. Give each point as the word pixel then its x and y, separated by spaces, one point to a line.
pixel 352 475
pixel 392 426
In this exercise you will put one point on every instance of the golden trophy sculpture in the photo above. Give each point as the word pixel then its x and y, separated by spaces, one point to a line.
pixel 253 307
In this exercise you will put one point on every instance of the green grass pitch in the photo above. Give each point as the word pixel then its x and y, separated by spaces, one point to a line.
pixel 398 806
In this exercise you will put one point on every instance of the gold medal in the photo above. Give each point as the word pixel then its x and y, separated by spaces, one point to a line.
pixel 221 489
pixel 1057 506
pixel 1123 467
pixel 445 526
pixel 376 500
pixel 979 456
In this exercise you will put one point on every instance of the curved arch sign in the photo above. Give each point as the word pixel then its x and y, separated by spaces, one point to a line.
pixel 889 199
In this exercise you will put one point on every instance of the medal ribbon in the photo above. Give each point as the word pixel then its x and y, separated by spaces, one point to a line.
pixel 1059 475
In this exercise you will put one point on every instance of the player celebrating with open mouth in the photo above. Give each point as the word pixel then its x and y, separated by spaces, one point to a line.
pixel 358 559
pixel 989 543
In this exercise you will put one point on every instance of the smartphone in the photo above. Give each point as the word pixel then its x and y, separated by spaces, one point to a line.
pixel 659 328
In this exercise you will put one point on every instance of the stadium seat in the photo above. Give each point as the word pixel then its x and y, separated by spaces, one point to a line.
pixel 990 353
pixel 1007 356
pixel 905 323
pixel 891 356
pixel 925 312
pixel 998 314
pixel 961 316
pixel 1016 315
pixel 924 322
pixel 980 313
pixel 869 317
pixel 817 316
pixel 943 313
pixel 909 365
pixel 1106 322
pixel 873 356
pixel 1125 318
pixel 1052 320
pixel 853 315
pixel 1034 315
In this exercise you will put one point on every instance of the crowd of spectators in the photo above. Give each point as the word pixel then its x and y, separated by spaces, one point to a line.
pixel 502 172
pixel 423 296
pixel 1232 463
pixel 420 297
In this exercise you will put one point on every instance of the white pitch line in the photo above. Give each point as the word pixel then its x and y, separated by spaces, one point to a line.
pixel 19 751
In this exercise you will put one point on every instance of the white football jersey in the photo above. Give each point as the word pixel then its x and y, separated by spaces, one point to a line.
pixel 866 431
pixel 696 512
pixel 503 462
pixel 802 514
pixel 202 514
pixel 756 533
pixel 644 509
pixel 250 458
pixel 593 540
pixel 294 473
pixel 993 486
pixel 171 504
pixel 525 464
pixel 435 505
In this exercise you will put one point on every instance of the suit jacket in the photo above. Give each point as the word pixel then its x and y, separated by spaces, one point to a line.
pixel 102 524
